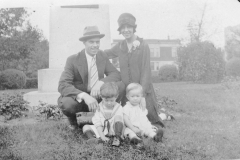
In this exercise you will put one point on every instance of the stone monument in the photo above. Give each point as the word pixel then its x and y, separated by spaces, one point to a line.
pixel 66 27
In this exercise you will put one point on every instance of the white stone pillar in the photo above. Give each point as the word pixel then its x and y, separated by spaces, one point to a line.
pixel 66 27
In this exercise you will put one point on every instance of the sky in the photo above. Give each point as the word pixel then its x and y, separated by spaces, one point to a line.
pixel 155 19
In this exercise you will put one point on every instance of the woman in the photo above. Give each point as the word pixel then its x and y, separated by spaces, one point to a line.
pixel 134 59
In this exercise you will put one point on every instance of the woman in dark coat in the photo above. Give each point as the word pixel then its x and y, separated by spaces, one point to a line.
pixel 134 60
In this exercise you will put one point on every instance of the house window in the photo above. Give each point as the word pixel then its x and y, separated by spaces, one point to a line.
pixel 152 52
pixel 156 66
pixel 174 51
pixel 152 65
pixel 157 52
pixel 166 52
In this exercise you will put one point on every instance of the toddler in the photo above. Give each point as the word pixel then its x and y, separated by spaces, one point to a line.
pixel 108 119
pixel 135 117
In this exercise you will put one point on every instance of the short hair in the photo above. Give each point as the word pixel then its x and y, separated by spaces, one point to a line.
pixel 134 29
pixel 109 90
pixel 133 86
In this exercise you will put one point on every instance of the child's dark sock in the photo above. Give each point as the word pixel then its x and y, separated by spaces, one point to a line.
pixel 158 137
pixel 118 129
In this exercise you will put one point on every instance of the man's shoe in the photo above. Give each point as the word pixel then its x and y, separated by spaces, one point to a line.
pixel 93 141
pixel 116 142
pixel 158 137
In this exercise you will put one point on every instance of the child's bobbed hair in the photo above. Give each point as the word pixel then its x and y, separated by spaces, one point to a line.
pixel 133 86
pixel 109 90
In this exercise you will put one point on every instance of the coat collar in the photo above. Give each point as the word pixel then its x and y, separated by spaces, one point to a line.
pixel 123 44
pixel 83 65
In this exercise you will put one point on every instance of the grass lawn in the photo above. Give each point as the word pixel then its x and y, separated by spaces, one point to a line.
pixel 206 127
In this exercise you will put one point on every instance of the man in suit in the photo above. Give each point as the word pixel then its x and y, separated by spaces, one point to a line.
pixel 83 75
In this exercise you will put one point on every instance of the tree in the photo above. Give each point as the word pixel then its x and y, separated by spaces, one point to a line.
pixel 196 28
pixel 21 46
pixel 39 59
pixel 11 20
pixel 201 62
pixel 232 46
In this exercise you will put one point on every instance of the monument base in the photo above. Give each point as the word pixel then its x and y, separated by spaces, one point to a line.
pixel 48 97
pixel 47 88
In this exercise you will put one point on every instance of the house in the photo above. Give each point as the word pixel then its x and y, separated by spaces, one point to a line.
pixel 162 52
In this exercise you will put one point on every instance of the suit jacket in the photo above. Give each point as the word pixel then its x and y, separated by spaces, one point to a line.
pixel 74 78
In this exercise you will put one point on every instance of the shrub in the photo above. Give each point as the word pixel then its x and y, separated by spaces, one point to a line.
pixel 31 83
pixel 201 62
pixel 231 83
pixel 233 67
pixel 49 111
pixel 12 106
pixel 1 81
pixel 13 79
pixel 168 73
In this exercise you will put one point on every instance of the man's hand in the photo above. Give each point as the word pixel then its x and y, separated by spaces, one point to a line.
pixel 95 91
pixel 91 102
pixel 137 131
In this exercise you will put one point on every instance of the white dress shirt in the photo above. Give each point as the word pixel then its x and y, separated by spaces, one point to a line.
pixel 89 61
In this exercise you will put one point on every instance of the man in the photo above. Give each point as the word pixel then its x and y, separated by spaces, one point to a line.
pixel 83 76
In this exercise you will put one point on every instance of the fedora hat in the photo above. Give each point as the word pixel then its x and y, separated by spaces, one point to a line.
pixel 126 18
pixel 91 32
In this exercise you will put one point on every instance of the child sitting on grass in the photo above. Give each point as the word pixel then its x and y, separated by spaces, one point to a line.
pixel 135 117
pixel 108 119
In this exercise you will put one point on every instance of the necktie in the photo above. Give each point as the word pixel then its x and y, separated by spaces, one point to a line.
pixel 93 73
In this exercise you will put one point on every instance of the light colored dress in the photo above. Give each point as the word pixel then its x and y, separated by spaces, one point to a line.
pixel 139 119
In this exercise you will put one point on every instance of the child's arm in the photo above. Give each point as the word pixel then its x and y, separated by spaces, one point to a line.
pixel 129 125
pixel 101 134
pixel 97 123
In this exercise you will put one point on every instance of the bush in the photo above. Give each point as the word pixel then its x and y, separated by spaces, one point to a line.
pixel 231 83
pixel 31 83
pixel 168 73
pixel 48 111
pixel 12 106
pixel 12 79
pixel 233 67
pixel 201 62
pixel 1 81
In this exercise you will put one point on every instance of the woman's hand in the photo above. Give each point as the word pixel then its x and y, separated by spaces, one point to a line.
pixel 143 104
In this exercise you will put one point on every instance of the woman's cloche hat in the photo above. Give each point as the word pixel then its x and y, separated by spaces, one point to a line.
pixel 91 32
pixel 126 18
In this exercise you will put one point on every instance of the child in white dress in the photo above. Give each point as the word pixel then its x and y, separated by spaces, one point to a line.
pixel 135 117
pixel 108 119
